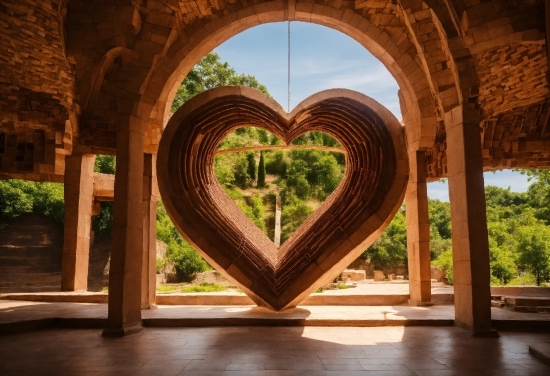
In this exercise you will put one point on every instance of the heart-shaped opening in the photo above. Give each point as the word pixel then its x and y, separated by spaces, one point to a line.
pixel 350 219
pixel 278 186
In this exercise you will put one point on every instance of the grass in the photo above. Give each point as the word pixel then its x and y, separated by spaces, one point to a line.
pixel 167 288
pixel 105 289
pixel 341 286
pixel 319 290
pixel 205 287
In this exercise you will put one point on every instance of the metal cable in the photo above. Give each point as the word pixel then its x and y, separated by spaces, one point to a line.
pixel 288 103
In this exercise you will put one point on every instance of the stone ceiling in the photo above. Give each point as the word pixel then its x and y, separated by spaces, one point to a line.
pixel 73 72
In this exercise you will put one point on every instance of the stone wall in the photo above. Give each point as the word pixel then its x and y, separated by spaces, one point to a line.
pixel 369 269
pixel 31 248
pixel 36 90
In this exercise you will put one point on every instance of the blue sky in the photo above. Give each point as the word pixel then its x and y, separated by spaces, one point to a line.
pixel 322 58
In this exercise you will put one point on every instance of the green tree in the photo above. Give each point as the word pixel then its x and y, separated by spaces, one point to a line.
pixel 211 72
pixel 15 199
pixel 440 218
pixel 186 260
pixel 105 164
pixel 251 166
pixel 21 196
pixel 534 251
pixel 539 193
pixel 294 213
pixel 276 163
pixel 261 171
pixel 391 248
pixel 445 262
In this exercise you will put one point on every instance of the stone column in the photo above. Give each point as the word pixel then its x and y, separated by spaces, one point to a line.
pixel 149 203
pixel 418 231
pixel 124 313
pixel 471 270
pixel 78 194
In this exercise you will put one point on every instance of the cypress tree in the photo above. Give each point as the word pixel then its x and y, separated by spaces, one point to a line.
pixel 251 166
pixel 261 171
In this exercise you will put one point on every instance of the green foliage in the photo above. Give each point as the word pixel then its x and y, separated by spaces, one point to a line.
pixel 261 171
pixel 102 223
pixel 105 164
pixel 306 175
pixel 254 208
pixel 310 174
pixel 539 193
pixel 231 170
pixel 534 251
pixel 276 163
pixel 445 262
pixel 525 279
pixel 294 213
pixel 20 196
pixel 251 166
pixel 440 218
pixel 503 264
pixel 187 261
pixel 205 287
pixel 167 288
pixel 160 265
pixel 211 72
pixel 390 249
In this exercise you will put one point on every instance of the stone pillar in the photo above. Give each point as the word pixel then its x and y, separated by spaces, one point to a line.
pixel 149 203
pixel 124 313
pixel 418 231
pixel 471 270
pixel 78 194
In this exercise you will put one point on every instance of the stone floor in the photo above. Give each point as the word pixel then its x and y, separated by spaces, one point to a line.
pixel 422 351
pixel 21 316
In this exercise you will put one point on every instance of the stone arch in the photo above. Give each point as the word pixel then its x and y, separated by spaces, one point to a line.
pixel 397 55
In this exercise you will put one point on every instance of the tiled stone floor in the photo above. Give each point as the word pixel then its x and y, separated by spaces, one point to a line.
pixel 421 351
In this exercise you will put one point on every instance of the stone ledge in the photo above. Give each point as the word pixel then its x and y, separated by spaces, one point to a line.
pixel 227 299
pixel 541 351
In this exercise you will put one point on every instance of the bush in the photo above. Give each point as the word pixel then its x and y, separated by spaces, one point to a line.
pixel 526 279
pixel 276 163
pixel 14 199
pixel 186 260
pixel 445 262
pixel 294 213
pixel 390 249
pixel 20 196
pixel 105 164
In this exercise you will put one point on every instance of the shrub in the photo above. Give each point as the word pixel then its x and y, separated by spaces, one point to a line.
pixel 187 261
pixel 445 262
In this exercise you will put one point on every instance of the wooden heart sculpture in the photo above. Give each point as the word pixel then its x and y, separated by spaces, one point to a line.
pixel 350 220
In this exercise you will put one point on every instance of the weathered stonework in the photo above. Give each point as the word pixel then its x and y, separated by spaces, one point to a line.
pixel 36 90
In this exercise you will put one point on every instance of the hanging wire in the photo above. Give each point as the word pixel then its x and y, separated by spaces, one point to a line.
pixel 288 103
